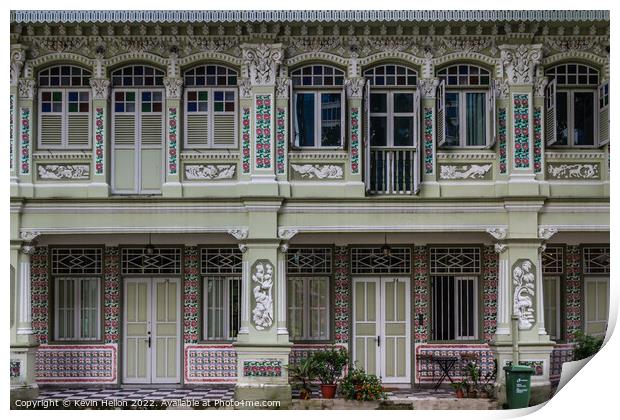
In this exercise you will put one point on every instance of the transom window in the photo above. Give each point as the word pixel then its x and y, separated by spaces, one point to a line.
pixel 318 104
pixel 573 119
pixel 76 280
pixel 465 107
pixel 138 76
pixel 210 107
pixel 392 75
pixel 309 273
pixel 64 108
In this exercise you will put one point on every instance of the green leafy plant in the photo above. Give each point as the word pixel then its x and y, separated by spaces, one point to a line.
pixel 329 364
pixel 587 346
pixel 360 386
pixel 302 374
pixel 460 388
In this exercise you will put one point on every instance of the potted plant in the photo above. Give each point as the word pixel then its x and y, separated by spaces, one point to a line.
pixel 460 388
pixel 358 385
pixel 473 371
pixel 587 346
pixel 329 364
pixel 486 386
pixel 302 374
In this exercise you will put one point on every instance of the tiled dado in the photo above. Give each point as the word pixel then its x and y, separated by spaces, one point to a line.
pixel 80 364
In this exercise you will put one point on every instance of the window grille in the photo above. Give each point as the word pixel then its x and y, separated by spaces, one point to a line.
pixel 464 75
pixel 75 261
pixel 64 76
pixel 162 261
pixel 596 260
pixel 574 74
pixel 454 307
pixel 372 261
pixel 392 75
pixel 222 312
pixel 455 260
pixel 210 75
pixel 308 307
pixel 221 261
pixel 77 308
pixel 553 260
pixel 309 261
pixel 137 76
pixel 317 75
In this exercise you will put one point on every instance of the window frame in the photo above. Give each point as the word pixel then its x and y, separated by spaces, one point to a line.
pixel 227 279
pixel 211 113
pixel 391 115
pixel 462 92
pixel 318 92
pixel 570 110
pixel 557 313
pixel 595 278
pixel 65 117
pixel 455 278
pixel 306 310
pixel 77 317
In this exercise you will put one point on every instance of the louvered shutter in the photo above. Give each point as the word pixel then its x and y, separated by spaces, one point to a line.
pixel 366 137
pixel 224 126
pixel 417 164
pixel 343 112
pixel 50 127
pixel 491 119
pixel 603 114
pixel 124 162
pixel 441 114
pixel 197 125
pixel 294 139
pixel 151 151
pixel 78 125
pixel 551 113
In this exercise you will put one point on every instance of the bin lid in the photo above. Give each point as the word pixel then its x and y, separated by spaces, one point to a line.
pixel 519 368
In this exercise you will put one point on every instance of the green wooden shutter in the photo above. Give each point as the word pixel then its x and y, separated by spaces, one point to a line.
pixel 551 113
pixel 441 114
pixel 603 114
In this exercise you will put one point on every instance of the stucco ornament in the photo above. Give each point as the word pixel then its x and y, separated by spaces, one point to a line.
pixel 282 87
pixel 209 172
pixel 524 281
pixel 573 171
pixel 287 233
pixel 428 87
pixel 355 87
pixel 239 233
pixel 18 57
pixel 546 233
pixel 498 233
pixel 64 172
pixel 262 276
pixel 173 87
pixel 316 171
pixel 520 62
pixel 262 61
pixel 27 88
pixel 100 88
pixel 29 235
pixel 245 88
pixel 464 171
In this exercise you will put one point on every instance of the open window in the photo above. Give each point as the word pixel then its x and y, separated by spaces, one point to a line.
pixel 573 118
pixel 319 109
pixel 465 107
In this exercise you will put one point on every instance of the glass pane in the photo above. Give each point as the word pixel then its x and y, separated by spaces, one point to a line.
pixel 378 131
pixel 403 131
pixel 378 102
pixel 476 119
pixel 562 118
pixel 318 308
pixel 305 119
pixel 215 309
pixel 295 307
pixel 584 118
pixel 234 303
pixel 331 127
pixel 403 102
pixel 452 118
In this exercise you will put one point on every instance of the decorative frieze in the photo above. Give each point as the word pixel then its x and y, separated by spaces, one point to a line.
pixel 76 172
pixel 210 363
pixel 573 170
pixel 428 140
pixel 355 140
pixel 172 140
pixel 262 368
pixel 191 295
pixel 245 140
pixel 316 171
pixel 39 294
pixel 538 146
pixel 524 282
pixel 501 134
pixel 421 293
pixel 99 140
pixel 281 140
pixel 80 364
pixel 573 292
pixel 466 171
pixel 262 123
pixel 111 295
pixel 521 130
pixel 262 281
pixel 26 133
pixel 341 294
pixel 209 172
pixel 490 272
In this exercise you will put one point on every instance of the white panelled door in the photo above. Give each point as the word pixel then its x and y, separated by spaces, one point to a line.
pixel 381 327
pixel 152 333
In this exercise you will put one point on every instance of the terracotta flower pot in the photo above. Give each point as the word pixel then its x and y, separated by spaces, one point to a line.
pixel 304 394
pixel 328 391
pixel 460 393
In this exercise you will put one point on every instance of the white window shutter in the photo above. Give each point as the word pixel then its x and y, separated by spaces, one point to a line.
pixel 417 160
pixel 78 129
pixel 294 127
pixel 551 113
pixel 491 118
pixel 124 132
pixel 603 113
pixel 50 131
pixel 343 112
pixel 366 127
pixel 441 114
pixel 197 126
pixel 223 130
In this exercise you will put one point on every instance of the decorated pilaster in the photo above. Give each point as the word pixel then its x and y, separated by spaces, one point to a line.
pixel 18 57
pixel 23 343
pixel 282 118
pixel 100 186
pixel 174 89
pixel 519 63
pixel 25 134
pixel 428 98
pixel 262 344
pixel 355 92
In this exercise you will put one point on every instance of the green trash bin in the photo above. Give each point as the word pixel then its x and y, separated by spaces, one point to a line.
pixel 518 385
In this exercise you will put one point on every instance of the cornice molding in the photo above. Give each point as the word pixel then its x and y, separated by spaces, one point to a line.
pixel 574 155
pixel 61 156
pixel 209 155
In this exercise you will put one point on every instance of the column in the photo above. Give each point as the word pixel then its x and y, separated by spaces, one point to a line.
pixel 282 118
pixel 25 134
pixel 355 123
pixel 18 57
pixel 24 344
pixel 100 169
pixel 172 186
pixel 428 109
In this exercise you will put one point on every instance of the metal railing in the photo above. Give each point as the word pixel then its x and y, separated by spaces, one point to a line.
pixel 392 171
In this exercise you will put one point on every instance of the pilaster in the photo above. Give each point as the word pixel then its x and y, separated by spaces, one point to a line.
pixel 174 89
pixel 428 94
pixel 282 119
pixel 355 92
pixel 18 57
pixel 25 146
pixel 100 185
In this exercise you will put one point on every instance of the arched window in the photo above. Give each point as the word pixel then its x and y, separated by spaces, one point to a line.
pixel 137 129
pixel 571 106
pixel 392 75
pixel 210 107
pixel 64 107
pixel 318 104
pixel 465 107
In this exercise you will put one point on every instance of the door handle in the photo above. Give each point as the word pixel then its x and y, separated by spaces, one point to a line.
pixel 149 341
pixel 378 341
